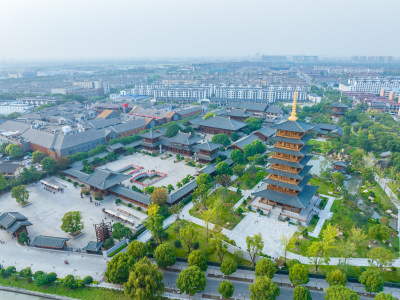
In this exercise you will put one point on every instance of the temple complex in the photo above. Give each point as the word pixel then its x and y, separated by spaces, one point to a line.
pixel 286 189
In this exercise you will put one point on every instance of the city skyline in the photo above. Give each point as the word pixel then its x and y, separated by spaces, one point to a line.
pixel 70 30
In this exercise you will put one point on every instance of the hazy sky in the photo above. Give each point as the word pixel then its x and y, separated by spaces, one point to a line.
pixel 71 29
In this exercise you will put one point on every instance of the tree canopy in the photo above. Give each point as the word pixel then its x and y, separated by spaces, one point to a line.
pixel 191 280
pixel 72 222
pixel 118 268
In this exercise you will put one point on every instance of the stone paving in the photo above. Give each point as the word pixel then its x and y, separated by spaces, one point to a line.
pixel 323 216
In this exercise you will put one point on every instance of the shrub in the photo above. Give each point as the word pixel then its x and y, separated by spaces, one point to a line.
pixel 88 280
pixel 197 258
pixel 138 208
pixel 177 244
pixel 195 245
pixel 130 205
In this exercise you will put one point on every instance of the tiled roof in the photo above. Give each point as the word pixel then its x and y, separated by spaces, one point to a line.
pixel 267 131
pixel 301 141
pixel 77 174
pixel 296 187
pixel 8 168
pixel 303 151
pixel 208 146
pixel 223 123
pixel 300 164
pixel 178 194
pixel 295 126
pixel 275 110
pixel 8 218
pixel 299 175
pixel 245 141
pixel 340 105
pixel 49 242
pixel 300 201
pixel 93 246
pixel 126 192
pixel 105 178
pixel 239 113
pixel 185 139
pixel 151 134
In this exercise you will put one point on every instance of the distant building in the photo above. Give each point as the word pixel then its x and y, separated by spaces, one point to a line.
pixel 7 108
pixel 314 98
pixel 372 85
pixel 339 109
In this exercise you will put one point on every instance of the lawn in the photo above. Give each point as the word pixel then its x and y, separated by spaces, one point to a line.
pixel 381 199
pixel 324 187
pixel 224 214
pixel 87 293
pixel 201 238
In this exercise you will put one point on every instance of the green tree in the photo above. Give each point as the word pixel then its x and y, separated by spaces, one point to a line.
pixel 368 175
pixel 3 182
pixel 119 267
pixel 237 156
pixel 255 245
pixel 239 170
pixel 340 292
pixel 301 293
pixel 265 267
pixel 109 243
pixel 159 196
pixel 372 281
pixel 72 222
pixel 87 280
pixel 226 289
pixel 338 179
pixel 172 130
pixel 191 280
pixel 120 231
pixel 219 247
pixel 14 150
pixel 20 194
pixel 383 296
pixel 381 257
pixel 336 277
pixel 48 164
pixel 234 136
pixel 287 245
pixel 316 253
pixel 298 274
pixel 145 281
pixel 223 168
pixel 62 162
pixel 26 273
pixel 197 258
pixel 208 115
pixel 188 236
pixel 155 225
pixel 379 232
pixel 69 282
pixel 264 288
pixel 207 215
pixel 204 179
pixel 228 266
pixel 23 238
pixel 37 156
pixel 222 139
pixel 254 123
pixel 137 249
pixel 164 255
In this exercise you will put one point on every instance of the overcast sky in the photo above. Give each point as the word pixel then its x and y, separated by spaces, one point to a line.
pixel 73 29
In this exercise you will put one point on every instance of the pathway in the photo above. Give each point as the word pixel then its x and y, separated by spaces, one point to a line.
pixel 323 215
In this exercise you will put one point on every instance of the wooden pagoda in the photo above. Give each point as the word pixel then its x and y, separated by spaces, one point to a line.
pixel 289 174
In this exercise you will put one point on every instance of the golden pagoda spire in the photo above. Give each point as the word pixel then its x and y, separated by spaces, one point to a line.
pixel 293 116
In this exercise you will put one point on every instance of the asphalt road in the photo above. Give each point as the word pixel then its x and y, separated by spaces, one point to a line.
pixel 241 288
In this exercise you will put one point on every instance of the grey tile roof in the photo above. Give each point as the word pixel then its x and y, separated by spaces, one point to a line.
pixel 73 140
pixel 42 138
pixel 295 126
pixel 102 123
pixel 303 151
pixel 274 110
pixel 260 107
pixel 301 141
pixel 93 246
pixel 300 201
pixel 245 141
pixel 208 146
pixel 49 242
pixel 8 168
pixel 178 194
pixel 239 113
pixel 267 131
pixel 185 111
pixel 151 134
pixel 115 146
pixel 8 218
pixel 126 192
pixel 81 176
pixel 340 105
pixel 223 123
pixel 17 225
pixel 105 178
pixel 299 175
pixel 131 125
pixel 14 126
pixel 299 187
pixel 220 112
pixel 300 164
pixel 340 163
pixel 185 139
pixel 196 121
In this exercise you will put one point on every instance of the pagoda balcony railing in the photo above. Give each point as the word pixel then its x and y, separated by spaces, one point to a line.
pixel 288 146
pixel 283 190
pixel 283 179
pixel 286 157
pixel 285 168
pixel 289 134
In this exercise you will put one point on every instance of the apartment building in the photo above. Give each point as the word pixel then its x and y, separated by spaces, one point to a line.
pixel 372 85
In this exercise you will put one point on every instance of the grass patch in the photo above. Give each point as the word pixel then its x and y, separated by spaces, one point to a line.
pixel 86 293
pixel 201 238
pixel 324 188
pixel 225 216
pixel 250 178
pixel 323 203
pixel 313 223
pixel 118 250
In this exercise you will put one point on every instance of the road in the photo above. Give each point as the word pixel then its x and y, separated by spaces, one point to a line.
pixel 241 288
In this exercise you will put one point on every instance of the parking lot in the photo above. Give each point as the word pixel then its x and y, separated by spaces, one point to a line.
pixel 47 210
pixel 175 171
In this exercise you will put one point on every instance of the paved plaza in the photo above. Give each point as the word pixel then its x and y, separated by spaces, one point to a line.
pixel 175 171
pixel 271 231
pixel 47 210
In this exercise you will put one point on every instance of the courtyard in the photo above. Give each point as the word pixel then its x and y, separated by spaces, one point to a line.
pixel 47 210
pixel 271 231
pixel 175 171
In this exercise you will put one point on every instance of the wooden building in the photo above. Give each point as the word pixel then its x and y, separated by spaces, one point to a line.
pixel 207 152
pixel 287 183
pixel 339 109
pixel 219 125
pixel 14 223
pixel 151 140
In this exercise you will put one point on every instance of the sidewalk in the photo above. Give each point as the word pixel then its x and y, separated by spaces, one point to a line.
pixel 323 215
